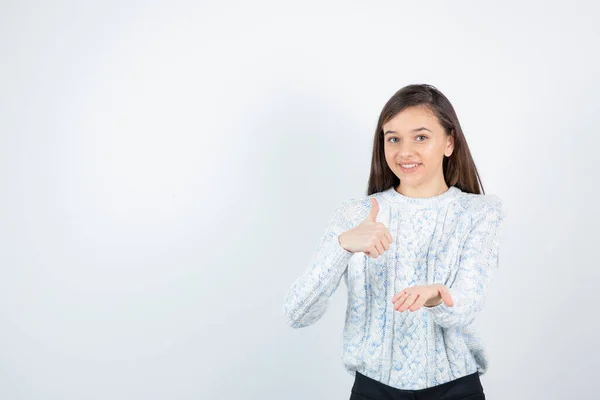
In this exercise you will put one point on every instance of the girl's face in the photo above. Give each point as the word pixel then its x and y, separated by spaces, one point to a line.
pixel 415 136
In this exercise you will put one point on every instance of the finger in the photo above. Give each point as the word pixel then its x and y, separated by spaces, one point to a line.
pixel 379 247
pixel 401 301
pixel 401 298
pixel 388 236
pixel 374 210
pixel 373 252
pixel 385 232
pixel 397 296
pixel 420 302
pixel 385 243
pixel 410 299
pixel 446 296
pixel 407 290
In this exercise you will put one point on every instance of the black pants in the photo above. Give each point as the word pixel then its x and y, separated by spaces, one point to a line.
pixel 465 388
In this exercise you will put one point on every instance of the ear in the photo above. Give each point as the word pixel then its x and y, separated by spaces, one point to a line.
pixel 449 145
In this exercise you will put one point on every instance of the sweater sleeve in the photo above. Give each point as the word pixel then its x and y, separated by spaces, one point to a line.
pixel 479 256
pixel 306 300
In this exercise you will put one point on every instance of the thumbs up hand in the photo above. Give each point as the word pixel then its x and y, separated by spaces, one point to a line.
pixel 370 237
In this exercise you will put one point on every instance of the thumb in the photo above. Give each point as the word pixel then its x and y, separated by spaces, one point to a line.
pixel 374 210
pixel 446 297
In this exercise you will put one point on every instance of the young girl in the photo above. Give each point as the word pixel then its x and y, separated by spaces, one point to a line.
pixel 416 255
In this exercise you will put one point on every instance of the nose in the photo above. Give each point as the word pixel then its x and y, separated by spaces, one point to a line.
pixel 405 150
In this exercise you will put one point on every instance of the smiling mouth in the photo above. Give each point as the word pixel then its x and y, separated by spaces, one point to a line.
pixel 409 167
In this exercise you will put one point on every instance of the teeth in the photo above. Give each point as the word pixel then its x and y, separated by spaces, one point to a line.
pixel 408 165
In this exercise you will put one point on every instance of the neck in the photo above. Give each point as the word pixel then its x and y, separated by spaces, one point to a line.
pixel 429 190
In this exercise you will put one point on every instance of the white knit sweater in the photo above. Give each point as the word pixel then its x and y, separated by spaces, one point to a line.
pixel 453 239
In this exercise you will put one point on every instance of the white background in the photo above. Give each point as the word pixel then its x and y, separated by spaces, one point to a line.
pixel 167 168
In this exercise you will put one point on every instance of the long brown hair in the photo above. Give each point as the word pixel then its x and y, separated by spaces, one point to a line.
pixel 459 169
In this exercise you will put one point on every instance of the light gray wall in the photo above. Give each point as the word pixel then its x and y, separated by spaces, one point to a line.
pixel 167 168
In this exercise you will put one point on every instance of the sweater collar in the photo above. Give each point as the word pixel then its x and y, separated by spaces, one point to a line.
pixel 433 202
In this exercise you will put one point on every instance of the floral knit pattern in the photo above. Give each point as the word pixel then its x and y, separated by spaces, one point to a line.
pixel 453 239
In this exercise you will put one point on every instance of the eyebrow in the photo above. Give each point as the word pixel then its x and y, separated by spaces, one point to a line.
pixel 414 130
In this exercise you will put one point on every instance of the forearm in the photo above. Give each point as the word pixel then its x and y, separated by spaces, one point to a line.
pixel 478 258
pixel 307 298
